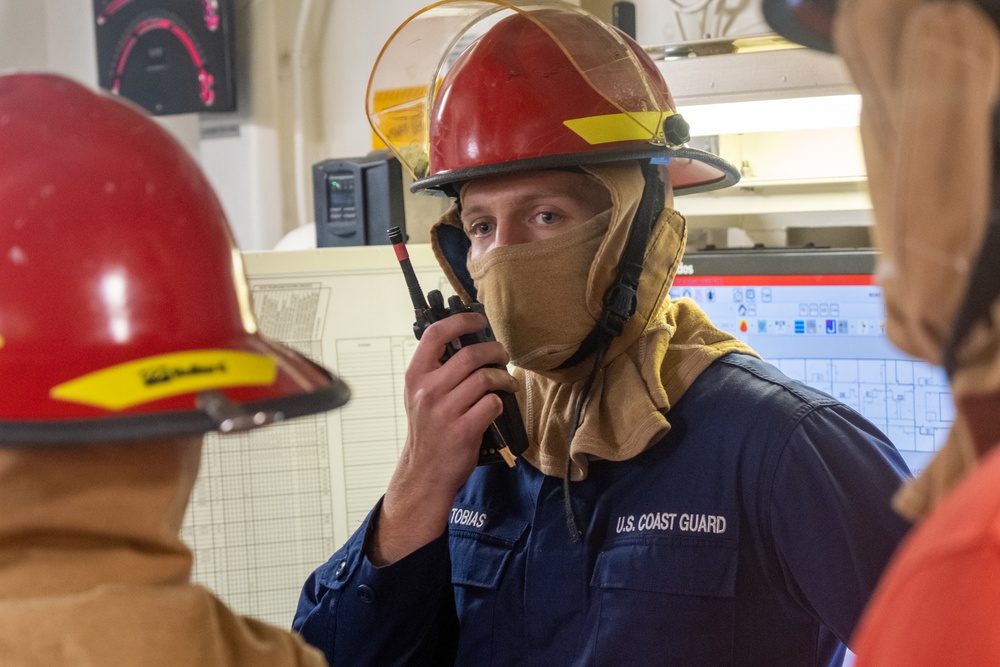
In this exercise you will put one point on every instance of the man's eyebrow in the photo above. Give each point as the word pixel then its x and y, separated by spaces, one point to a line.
pixel 470 210
pixel 525 201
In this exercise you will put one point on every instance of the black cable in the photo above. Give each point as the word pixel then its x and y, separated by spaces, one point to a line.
pixel 614 316
pixel 575 533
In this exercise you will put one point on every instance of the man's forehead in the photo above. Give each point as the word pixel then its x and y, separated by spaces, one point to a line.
pixel 522 184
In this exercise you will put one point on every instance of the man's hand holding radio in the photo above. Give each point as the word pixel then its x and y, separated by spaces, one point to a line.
pixel 449 406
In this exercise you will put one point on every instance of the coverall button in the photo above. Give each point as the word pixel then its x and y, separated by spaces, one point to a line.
pixel 366 594
pixel 341 570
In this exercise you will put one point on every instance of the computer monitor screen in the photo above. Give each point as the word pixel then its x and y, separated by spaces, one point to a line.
pixel 818 315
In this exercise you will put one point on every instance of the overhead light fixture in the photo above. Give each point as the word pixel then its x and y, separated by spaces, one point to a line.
pixel 776 115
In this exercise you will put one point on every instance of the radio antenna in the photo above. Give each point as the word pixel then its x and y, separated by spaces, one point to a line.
pixel 412 284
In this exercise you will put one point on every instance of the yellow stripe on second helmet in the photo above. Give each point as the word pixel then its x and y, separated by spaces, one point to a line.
pixel 162 376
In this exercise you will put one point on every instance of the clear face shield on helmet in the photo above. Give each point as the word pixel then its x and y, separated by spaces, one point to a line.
pixel 408 74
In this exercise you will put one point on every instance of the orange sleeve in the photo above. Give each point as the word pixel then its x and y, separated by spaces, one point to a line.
pixel 943 610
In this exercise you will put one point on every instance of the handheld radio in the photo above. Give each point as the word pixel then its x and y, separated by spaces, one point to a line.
pixel 505 438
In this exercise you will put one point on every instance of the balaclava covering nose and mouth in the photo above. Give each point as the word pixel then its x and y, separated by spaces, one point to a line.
pixel 544 297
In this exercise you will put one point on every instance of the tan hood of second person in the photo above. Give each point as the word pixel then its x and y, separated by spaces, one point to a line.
pixel 928 74
pixel 665 346
pixel 93 571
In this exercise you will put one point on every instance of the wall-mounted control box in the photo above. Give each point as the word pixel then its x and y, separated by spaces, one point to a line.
pixel 357 200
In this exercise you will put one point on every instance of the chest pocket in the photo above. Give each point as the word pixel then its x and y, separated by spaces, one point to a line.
pixel 480 554
pixel 486 601
pixel 666 601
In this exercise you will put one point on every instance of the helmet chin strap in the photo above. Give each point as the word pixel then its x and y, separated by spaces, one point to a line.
pixel 984 280
pixel 984 288
pixel 620 299
pixel 620 302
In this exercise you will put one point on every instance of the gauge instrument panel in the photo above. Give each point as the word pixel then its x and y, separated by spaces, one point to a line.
pixel 168 56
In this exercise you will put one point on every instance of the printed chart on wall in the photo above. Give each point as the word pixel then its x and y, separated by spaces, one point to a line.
pixel 273 504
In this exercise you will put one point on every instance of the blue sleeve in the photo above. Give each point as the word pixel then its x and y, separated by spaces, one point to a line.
pixel 831 516
pixel 400 614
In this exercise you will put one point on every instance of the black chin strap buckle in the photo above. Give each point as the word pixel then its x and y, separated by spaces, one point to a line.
pixel 620 302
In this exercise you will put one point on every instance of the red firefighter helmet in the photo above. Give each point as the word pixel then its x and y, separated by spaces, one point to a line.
pixel 466 89
pixel 124 309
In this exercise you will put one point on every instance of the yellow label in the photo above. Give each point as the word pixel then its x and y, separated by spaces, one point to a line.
pixel 400 113
pixel 646 125
pixel 403 127
pixel 1 342
pixel 150 379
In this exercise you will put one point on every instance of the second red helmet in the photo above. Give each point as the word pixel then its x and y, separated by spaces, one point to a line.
pixel 124 309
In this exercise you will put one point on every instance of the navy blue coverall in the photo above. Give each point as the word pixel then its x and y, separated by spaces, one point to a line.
pixel 753 533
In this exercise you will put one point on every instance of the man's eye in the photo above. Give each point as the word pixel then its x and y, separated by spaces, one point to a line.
pixel 478 229
pixel 546 217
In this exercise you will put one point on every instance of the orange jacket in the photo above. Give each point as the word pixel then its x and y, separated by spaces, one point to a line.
pixel 939 603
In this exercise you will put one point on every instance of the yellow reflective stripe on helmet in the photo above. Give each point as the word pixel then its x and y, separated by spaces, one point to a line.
pixel 647 125
pixel 150 379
